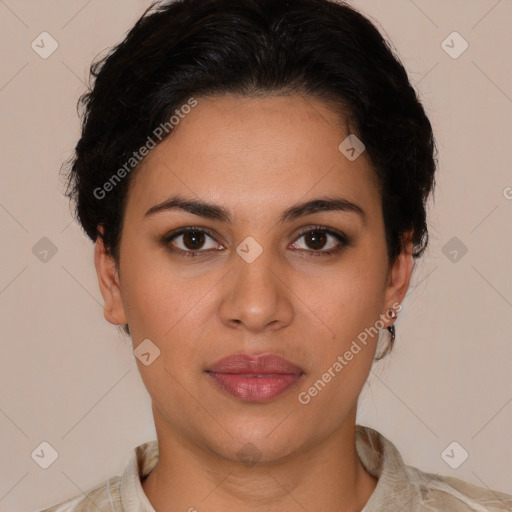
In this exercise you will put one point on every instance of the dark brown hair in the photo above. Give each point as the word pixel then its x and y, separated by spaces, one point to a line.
pixel 188 48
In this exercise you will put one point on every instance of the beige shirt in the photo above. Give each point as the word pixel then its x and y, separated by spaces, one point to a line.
pixel 399 488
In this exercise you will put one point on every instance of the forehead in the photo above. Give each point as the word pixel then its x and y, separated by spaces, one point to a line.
pixel 255 151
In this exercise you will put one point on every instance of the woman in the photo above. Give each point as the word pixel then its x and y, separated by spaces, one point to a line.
pixel 255 175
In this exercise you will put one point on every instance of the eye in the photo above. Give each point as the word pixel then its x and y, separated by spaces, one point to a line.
pixel 316 238
pixel 192 239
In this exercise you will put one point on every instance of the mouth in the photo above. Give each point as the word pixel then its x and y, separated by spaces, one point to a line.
pixel 255 378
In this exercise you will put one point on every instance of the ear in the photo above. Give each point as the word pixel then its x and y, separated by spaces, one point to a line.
pixel 108 279
pixel 399 277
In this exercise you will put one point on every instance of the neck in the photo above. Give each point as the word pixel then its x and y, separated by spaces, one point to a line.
pixel 327 476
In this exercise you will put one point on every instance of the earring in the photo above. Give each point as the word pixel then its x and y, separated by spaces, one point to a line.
pixel 391 313
pixel 391 328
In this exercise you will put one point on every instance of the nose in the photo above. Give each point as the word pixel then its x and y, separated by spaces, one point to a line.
pixel 257 296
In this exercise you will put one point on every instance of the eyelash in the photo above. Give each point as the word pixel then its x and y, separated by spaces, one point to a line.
pixel 341 237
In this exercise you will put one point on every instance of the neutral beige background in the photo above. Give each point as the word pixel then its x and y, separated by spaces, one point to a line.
pixel 69 378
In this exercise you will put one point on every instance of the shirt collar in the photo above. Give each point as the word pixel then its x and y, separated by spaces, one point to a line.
pixel 394 491
pixel 142 461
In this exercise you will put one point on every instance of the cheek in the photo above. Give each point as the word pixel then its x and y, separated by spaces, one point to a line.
pixel 353 299
pixel 174 313
pixel 352 306
pixel 342 364
pixel 151 296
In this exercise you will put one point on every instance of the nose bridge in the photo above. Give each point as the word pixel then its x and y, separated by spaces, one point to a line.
pixel 255 258
pixel 256 296
pixel 255 277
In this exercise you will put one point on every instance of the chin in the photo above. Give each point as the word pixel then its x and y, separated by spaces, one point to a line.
pixel 256 441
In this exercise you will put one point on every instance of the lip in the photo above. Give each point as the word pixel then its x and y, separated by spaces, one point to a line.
pixel 255 378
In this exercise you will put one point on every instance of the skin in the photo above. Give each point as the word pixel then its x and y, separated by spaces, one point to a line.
pixel 254 157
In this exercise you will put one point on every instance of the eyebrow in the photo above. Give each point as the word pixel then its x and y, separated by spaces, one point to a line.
pixel 215 212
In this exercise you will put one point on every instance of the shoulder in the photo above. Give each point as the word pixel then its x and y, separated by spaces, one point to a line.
pixel 440 492
pixel 404 487
pixel 105 497
pixel 126 487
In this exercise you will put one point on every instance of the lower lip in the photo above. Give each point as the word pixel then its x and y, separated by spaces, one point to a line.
pixel 255 388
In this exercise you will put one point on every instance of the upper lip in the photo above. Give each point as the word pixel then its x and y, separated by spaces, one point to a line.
pixel 254 364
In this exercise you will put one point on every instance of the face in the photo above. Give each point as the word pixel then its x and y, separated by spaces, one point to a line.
pixel 259 274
